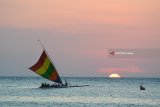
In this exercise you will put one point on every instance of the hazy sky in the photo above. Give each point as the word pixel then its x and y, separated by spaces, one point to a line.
pixel 77 35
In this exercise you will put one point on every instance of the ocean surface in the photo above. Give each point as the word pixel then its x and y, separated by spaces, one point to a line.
pixel 102 92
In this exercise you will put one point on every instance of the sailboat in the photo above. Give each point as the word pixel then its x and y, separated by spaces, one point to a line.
pixel 45 68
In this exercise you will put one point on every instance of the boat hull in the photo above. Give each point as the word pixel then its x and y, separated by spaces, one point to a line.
pixel 48 87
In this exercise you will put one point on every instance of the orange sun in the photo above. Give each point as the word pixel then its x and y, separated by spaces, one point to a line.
pixel 114 76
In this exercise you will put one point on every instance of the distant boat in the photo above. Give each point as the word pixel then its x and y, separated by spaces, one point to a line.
pixel 142 88
pixel 45 68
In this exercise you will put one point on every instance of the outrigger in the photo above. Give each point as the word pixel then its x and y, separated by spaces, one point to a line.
pixel 45 68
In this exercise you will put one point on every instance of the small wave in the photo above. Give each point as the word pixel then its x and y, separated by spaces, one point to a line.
pixel 81 99
pixel 7 85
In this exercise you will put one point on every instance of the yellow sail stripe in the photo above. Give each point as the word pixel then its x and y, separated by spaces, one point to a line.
pixel 44 67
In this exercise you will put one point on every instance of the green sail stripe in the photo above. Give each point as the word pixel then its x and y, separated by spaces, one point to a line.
pixel 49 71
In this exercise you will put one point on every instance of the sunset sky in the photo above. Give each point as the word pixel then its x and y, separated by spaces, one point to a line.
pixel 77 35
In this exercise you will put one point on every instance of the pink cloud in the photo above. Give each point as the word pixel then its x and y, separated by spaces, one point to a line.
pixel 120 70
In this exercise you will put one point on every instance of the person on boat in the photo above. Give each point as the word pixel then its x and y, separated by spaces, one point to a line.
pixel 52 85
pixel 42 84
pixel 58 85
pixel 66 83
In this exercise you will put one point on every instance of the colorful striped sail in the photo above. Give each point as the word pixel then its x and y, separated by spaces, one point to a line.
pixel 46 69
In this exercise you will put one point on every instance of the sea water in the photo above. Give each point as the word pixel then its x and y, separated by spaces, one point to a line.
pixel 102 92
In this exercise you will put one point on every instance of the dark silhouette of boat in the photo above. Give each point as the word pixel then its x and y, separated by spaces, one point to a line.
pixel 45 68
pixel 142 88
pixel 44 85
